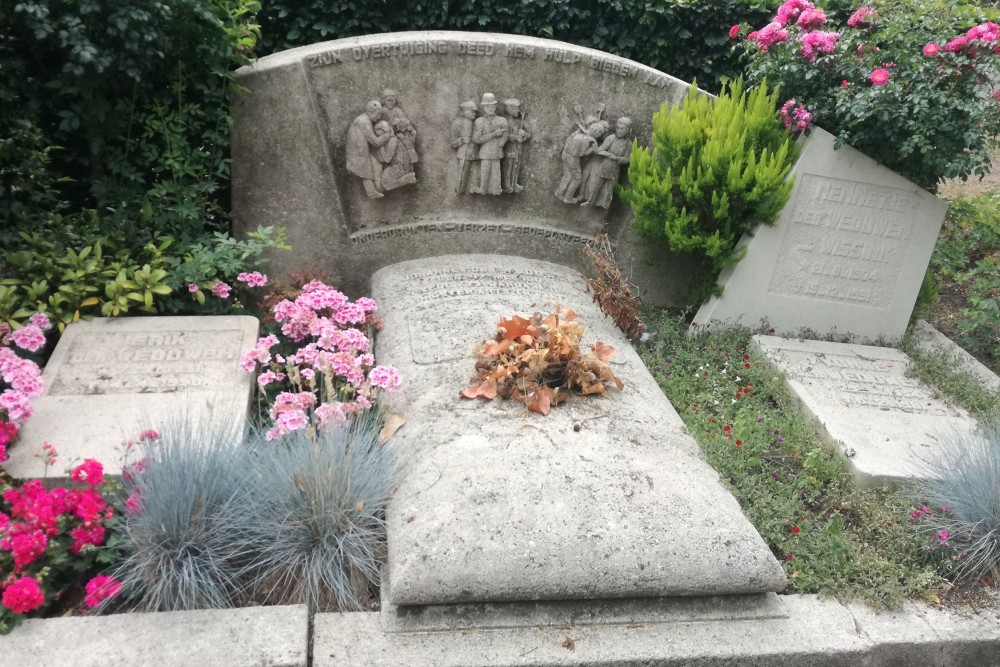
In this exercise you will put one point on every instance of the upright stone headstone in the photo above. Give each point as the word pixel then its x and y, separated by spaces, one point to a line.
pixel 889 426
pixel 846 256
pixel 606 497
pixel 109 379
pixel 373 150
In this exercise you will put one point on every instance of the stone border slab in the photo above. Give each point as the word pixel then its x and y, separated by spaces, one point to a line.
pixel 886 424
pixel 933 342
pixel 811 631
pixel 271 636
pixel 111 378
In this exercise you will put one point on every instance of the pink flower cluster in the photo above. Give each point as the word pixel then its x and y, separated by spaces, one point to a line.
pixel 21 379
pixel 790 11
pixel 771 34
pixel 813 43
pixel 252 279
pixel 330 359
pixel 74 519
pixel 796 118
pixel 99 589
pixel 980 36
pixel 864 17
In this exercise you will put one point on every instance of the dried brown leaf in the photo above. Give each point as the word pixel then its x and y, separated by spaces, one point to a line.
pixel 392 424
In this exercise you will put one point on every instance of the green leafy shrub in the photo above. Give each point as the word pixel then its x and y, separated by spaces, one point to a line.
pixel 903 84
pixel 685 39
pixel 961 510
pixel 967 257
pixel 716 169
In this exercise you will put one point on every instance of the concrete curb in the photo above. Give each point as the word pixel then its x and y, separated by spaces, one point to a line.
pixel 814 632
pixel 271 636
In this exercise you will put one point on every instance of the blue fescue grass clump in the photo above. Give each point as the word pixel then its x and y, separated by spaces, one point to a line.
pixel 217 522
pixel 962 495
pixel 187 547
pixel 322 510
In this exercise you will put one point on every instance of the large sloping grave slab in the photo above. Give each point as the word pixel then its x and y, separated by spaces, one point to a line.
pixel 110 378
pixel 847 255
pixel 606 497
pixel 886 424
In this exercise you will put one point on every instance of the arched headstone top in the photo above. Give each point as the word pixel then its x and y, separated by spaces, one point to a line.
pixel 376 149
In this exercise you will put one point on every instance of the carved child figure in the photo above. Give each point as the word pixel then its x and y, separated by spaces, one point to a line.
pixel 578 146
pixel 489 133
pixel 397 170
pixel 361 139
pixel 513 150
pixel 461 141
pixel 613 153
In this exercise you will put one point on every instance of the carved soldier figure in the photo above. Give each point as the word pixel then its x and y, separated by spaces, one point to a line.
pixel 361 140
pixel 613 153
pixel 578 146
pixel 489 133
pixel 461 141
pixel 513 150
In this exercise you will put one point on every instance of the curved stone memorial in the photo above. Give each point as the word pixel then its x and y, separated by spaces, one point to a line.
pixel 606 497
pixel 378 149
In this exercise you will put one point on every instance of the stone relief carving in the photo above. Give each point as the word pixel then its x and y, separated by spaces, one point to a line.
pixel 604 166
pixel 592 161
pixel 513 151
pixel 489 133
pixel 380 147
pixel 461 141
pixel 580 144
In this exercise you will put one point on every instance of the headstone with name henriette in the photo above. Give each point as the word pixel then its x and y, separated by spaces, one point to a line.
pixel 888 425
pixel 847 255
pixel 109 379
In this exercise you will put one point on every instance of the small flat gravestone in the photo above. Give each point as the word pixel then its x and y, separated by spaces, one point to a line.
pixel 886 424
pixel 846 256
pixel 606 497
pixel 109 379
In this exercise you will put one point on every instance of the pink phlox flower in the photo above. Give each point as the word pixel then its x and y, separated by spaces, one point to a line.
pixel 862 18
pixel 996 94
pixel 931 49
pixel 819 41
pixel 305 355
pixel 17 405
pixel 23 595
pixel 87 504
pixel 297 320
pixel 942 537
pixel 149 434
pixel 317 297
pixel 789 11
pixel 363 360
pixel 349 313
pixel 41 320
pixel 307 374
pixel 251 358
pixel 267 377
pixel 385 377
pixel 221 290
pixel 86 536
pixel 192 288
pixel 769 35
pixel 99 589
pixel 354 340
pixel 331 414
pixel 355 377
pixel 734 31
pixel 880 76
pixel 3 453
pixel 367 304
pixel 252 279
pixel 8 431
pixel 133 504
pixel 29 337
pixel 811 19
pixel 89 472
pixel 291 420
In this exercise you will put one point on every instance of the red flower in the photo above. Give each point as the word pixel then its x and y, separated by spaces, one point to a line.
pixel 746 357
pixel 739 443
pixel 791 556
pixel 727 428
pixel 795 530
pixel 734 32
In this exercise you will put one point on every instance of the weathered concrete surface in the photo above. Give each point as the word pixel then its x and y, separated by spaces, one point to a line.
pixel 291 151
pixel 846 256
pixel 264 636
pixel 808 631
pixel 885 423
pixel 606 497
pixel 110 379
pixel 933 342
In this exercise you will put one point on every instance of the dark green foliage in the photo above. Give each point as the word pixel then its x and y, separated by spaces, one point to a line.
pixel 686 39
pixel 716 169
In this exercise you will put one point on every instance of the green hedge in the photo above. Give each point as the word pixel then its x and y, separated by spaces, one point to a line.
pixel 685 38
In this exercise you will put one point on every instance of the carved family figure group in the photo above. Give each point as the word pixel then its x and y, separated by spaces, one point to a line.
pixel 489 150
pixel 381 147
pixel 592 161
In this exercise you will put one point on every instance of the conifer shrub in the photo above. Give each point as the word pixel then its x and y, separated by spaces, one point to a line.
pixel 715 170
